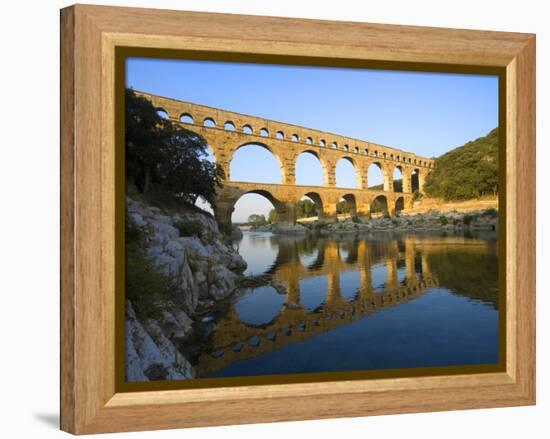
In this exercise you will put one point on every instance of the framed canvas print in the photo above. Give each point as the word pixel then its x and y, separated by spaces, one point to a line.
pixel 270 219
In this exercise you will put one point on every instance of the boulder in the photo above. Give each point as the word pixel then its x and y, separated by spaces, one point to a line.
pixel 137 218
pixel 290 228
pixel 221 281
pixel 150 355
pixel 236 233
pixel 205 266
pixel 162 232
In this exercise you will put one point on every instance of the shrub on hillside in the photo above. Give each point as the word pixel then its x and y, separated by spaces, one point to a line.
pixel 188 227
pixel 469 171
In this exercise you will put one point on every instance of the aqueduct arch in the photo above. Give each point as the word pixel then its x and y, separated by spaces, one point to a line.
pixel 348 161
pixel 317 200
pixel 287 142
pixel 381 202
pixel 264 146
pixel 351 202
pixel 399 205
pixel 323 166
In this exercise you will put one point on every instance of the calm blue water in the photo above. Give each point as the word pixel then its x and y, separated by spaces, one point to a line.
pixel 259 305
pixel 359 304
pixel 313 291
pixel 437 329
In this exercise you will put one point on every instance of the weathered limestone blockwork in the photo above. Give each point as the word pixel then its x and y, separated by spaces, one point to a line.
pixel 228 131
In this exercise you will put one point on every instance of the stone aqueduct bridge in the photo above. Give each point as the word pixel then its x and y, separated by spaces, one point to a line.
pixel 226 131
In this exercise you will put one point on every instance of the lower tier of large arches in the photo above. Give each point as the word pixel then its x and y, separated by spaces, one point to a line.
pixel 328 202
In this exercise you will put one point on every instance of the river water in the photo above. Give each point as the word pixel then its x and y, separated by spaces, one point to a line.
pixel 356 302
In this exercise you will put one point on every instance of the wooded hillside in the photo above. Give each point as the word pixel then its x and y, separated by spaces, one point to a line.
pixel 469 171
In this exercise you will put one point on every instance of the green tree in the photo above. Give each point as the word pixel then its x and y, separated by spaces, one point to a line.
pixel 305 208
pixel 342 207
pixel 469 171
pixel 377 206
pixel 257 220
pixel 165 155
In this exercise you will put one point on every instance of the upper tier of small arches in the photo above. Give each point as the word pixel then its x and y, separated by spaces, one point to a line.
pixel 198 115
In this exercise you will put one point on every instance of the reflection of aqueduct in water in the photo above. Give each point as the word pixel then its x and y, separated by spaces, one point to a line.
pixel 226 132
pixel 235 340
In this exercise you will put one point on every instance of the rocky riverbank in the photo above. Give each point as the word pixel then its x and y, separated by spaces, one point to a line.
pixel 201 267
pixel 486 219
pixel 426 222
pixel 282 228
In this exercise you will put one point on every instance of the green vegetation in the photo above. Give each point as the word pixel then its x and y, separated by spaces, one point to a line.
pixel 417 195
pixel 305 209
pixel 272 217
pixel 147 288
pixel 377 206
pixel 166 160
pixel 257 220
pixel 443 220
pixel 397 186
pixel 188 228
pixel 469 171
pixel 166 166
pixel 377 187
pixel 342 207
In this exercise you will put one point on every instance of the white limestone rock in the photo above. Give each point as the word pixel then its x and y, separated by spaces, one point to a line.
pixel 205 266
pixel 221 281
pixel 177 324
pixel 150 355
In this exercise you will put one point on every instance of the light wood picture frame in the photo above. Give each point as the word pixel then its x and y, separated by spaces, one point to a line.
pixel 90 39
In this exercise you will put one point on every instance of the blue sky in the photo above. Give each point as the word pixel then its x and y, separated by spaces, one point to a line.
pixel 426 113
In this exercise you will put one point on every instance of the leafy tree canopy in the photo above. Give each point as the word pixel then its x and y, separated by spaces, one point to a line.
pixel 342 207
pixel 257 220
pixel 166 156
pixel 469 171
pixel 305 208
